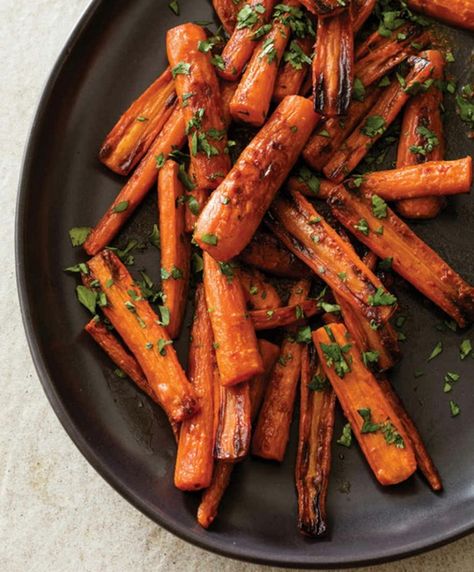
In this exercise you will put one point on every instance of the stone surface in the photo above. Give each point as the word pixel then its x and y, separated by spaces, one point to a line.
pixel 56 513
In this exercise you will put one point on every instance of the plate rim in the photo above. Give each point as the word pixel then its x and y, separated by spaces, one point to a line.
pixel 210 543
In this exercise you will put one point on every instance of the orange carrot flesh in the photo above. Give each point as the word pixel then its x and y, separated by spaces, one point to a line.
pixel 239 49
pixel 227 11
pixel 199 95
pixel 304 231
pixel 323 7
pixel 267 253
pixel 143 178
pixel 259 293
pixel 375 424
pixel 457 12
pixel 258 384
pixel 313 461
pixel 390 237
pixel 236 208
pixel 237 351
pixel 382 114
pixel 294 69
pixel 361 10
pixel 272 431
pixel 194 460
pixel 333 64
pixel 137 128
pixel 175 246
pixel 285 316
pixel 139 327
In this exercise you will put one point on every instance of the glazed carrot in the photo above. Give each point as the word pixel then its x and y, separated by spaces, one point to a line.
pixel 239 49
pixel 267 253
pixel 237 352
pixel 194 460
pixel 313 461
pixel 175 246
pixel 139 327
pixel 327 139
pixel 361 10
pixel 294 69
pixel 284 316
pixel 324 7
pixel 227 11
pixel 235 209
pixel 143 178
pixel 457 12
pixel 423 459
pixel 272 431
pixel 422 138
pixel 333 64
pixel 375 124
pixel 389 237
pixel 259 293
pixel 199 95
pixel 304 231
pixel 258 384
pixel 374 422
pixel 137 128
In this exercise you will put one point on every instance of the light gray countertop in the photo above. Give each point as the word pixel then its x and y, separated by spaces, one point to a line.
pixel 56 513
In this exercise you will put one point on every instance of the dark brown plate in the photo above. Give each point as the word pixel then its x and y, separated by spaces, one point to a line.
pixel 115 52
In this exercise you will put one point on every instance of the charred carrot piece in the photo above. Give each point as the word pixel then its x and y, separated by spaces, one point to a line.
pixel 376 123
pixel 332 133
pixel 305 232
pixel 139 327
pixel 459 12
pixel 227 11
pixel 144 177
pixel 259 293
pixel 361 10
pixel 237 352
pixel 234 211
pixel 272 431
pixel 422 138
pixel 375 424
pixel 295 67
pixel 194 460
pixel 389 237
pixel 333 64
pixel 285 316
pixel 313 460
pixel 267 253
pixel 251 20
pixel 199 95
pixel 324 7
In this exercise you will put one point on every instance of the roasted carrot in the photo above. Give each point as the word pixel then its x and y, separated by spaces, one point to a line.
pixel 199 95
pixel 267 253
pixel 375 124
pixel 304 231
pixel 313 461
pixel 423 458
pixel 376 425
pixel 253 15
pixel 175 247
pixel 237 352
pixel 389 237
pixel 422 138
pixel 284 316
pixel 294 69
pixel 361 10
pixel 257 384
pixel 194 460
pixel 259 293
pixel 234 211
pixel 137 128
pixel 273 425
pixel 227 11
pixel 139 327
pixel 324 7
pixel 144 177
pixel 333 64
pixel 457 12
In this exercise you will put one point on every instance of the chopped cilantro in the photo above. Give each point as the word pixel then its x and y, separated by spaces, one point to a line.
pixel 346 437
pixel 79 234
pixel 382 298
pixel 436 351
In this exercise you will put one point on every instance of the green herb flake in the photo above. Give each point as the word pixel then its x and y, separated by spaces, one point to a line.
pixel 379 207
pixel 358 90
pixel 174 7
pixel 81 267
pixel 197 263
pixel 303 335
pixel 165 315
pixel 368 426
pixel 161 344
pixel 374 125
pixel 154 236
pixel 455 409
pixel 319 382
pixel 436 351
pixel 385 264
pixel 120 207
pixel 362 226
pixel 87 297
pixel 120 373
pixel 370 357
pixel 79 234
pixel 249 15
pixel 334 355
pixel 465 349
pixel 346 437
pixel 382 298
pixel 181 68
pixel 160 160
pixel 210 239
pixel 307 177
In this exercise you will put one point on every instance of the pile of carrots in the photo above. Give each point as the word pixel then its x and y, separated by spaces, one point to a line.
pixel 315 90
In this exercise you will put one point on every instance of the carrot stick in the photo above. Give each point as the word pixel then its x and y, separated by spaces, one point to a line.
pixel 139 327
pixel 175 246
pixel 259 293
pixel 458 12
pixel 144 177
pixel 199 95
pixel 257 385
pixel 234 211
pixel 376 425
pixel 137 128
pixel 333 64
pixel 422 138
pixel 239 49
pixel 267 253
pixel 227 11
pixel 380 117
pixel 194 460
pixel 273 425
pixel 284 316
pixel 237 352
pixel 323 7
pixel 313 461
pixel 361 10
pixel 294 69
pixel 307 234
pixel 389 237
